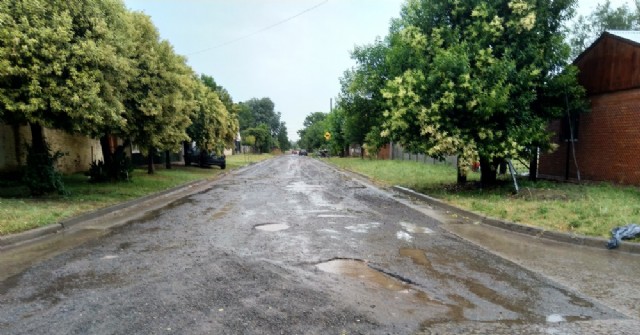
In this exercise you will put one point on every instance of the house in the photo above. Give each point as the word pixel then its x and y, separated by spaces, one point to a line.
pixel 606 140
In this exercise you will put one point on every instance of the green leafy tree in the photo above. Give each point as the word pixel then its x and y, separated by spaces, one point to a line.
pixel 261 137
pixel 312 135
pixel 480 86
pixel 283 137
pixel 63 65
pixel 160 101
pixel 361 100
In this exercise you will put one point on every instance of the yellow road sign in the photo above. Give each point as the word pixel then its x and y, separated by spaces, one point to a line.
pixel 327 135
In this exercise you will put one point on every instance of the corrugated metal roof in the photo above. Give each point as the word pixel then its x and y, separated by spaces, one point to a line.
pixel 627 34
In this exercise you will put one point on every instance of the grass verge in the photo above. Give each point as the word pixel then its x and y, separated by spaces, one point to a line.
pixel 591 209
pixel 19 212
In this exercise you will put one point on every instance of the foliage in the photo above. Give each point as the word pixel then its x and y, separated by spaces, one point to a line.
pixel 361 102
pixel 260 136
pixel 228 121
pixel 256 112
pixel 312 136
pixel 40 175
pixel 160 99
pixel 479 78
pixel 99 171
pixel 63 64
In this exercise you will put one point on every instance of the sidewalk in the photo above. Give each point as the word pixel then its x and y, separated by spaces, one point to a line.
pixel 582 264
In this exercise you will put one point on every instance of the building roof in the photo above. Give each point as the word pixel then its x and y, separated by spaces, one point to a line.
pixel 630 35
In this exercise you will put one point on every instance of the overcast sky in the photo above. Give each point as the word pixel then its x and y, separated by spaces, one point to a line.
pixel 292 51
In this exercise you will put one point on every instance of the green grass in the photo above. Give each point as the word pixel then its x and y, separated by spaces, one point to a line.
pixel 19 212
pixel 591 209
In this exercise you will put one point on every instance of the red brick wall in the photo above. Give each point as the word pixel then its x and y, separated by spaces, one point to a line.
pixel 608 147
pixel 385 152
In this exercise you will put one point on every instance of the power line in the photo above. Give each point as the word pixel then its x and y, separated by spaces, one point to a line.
pixel 259 31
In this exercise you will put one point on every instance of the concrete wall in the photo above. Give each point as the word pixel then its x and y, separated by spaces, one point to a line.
pixel 608 146
pixel 81 150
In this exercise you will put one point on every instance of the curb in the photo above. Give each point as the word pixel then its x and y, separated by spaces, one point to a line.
pixel 587 241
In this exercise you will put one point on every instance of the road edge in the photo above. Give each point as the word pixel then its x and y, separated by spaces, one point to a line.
pixel 537 232
pixel 32 235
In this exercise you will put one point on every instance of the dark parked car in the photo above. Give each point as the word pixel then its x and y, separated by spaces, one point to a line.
pixel 302 152
pixel 203 158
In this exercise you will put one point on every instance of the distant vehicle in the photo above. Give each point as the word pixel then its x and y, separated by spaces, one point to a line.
pixel 302 152
pixel 203 158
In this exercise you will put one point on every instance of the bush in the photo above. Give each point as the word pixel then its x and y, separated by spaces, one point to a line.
pixel 121 169
pixel 40 175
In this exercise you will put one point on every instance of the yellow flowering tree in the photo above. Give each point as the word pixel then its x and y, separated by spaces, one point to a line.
pixel 485 78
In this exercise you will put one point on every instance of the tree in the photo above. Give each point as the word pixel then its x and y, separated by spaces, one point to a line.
pixel 312 136
pixel 586 29
pixel 231 123
pixel 256 112
pixel 63 65
pixel 283 137
pixel 160 101
pixel 260 136
pixel 361 100
pixel 480 86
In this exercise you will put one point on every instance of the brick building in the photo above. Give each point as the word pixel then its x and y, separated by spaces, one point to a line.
pixel 607 139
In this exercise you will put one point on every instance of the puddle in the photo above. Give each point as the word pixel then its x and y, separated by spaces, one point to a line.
pixel 224 211
pixel 363 227
pixel 360 270
pixel 16 260
pixel 403 235
pixel 272 227
pixel 336 216
pixel 414 229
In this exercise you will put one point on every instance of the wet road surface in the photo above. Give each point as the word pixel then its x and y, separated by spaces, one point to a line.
pixel 288 246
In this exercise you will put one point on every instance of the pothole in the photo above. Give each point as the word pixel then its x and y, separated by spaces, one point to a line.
pixel 272 227
pixel 358 269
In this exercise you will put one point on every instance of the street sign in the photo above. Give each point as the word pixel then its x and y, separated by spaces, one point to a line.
pixel 327 135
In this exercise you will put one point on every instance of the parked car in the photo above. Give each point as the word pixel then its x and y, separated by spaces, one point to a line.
pixel 302 152
pixel 204 158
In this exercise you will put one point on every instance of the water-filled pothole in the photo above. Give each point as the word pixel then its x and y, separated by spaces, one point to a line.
pixel 272 226
pixel 360 270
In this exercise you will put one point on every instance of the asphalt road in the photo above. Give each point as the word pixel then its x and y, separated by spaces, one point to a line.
pixel 288 246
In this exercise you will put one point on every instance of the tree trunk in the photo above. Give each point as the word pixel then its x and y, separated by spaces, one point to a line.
pixel 17 145
pixel 150 167
pixel 503 167
pixel 488 173
pixel 533 165
pixel 38 143
pixel 462 177
pixel 107 156
pixel 167 159
pixel 187 156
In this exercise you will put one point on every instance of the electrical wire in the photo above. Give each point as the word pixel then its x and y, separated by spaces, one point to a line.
pixel 259 31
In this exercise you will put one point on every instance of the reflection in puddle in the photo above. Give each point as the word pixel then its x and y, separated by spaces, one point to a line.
pixel 362 228
pixel 414 229
pixel 272 227
pixel 403 235
pixel 360 270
